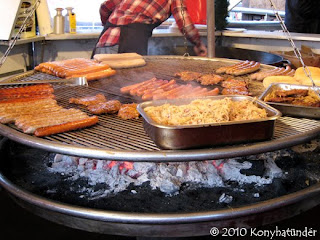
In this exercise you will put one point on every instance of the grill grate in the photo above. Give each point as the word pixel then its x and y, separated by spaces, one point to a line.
pixel 114 138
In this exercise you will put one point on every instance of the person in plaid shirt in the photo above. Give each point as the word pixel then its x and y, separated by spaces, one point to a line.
pixel 129 24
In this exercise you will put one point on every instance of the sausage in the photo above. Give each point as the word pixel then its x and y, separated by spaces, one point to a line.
pixel 27 99
pixel 18 94
pixel 212 92
pixel 196 93
pixel 76 66
pixel 278 72
pixel 65 127
pixel 259 75
pixel 133 91
pixel 127 89
pixel 87 70
pixel 291 73
pixel 286 70
pixel 176 94
pixel 250 69
pixel 224 69
pixel 35 103
pixel 192 90
pixel 148 86
pixel 147 95
pixel 96 75
pixel 152 88
pixel 27 89
pixel 166 93
pixel 26 95
pixel 232 70
pixel 63 116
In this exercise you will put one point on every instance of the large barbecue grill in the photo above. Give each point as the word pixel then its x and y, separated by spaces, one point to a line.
pixel 126 140
pixel 118 139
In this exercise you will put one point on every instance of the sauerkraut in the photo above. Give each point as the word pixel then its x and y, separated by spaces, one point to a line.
pixel 205 111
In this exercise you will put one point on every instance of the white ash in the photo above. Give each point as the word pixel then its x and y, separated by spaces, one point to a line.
pixel 256 195
pixel 167 177
pixel 224 198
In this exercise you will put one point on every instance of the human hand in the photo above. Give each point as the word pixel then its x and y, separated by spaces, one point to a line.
pixel 200 50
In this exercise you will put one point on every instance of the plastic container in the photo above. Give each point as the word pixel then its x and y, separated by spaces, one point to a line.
pixel 70 21
pixel 58 22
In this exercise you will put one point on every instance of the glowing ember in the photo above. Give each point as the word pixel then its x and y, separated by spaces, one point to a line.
pixel 167 177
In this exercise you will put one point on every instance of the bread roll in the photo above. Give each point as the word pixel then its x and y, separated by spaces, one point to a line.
pixel 129 63
pixel 117 56
pixel 304 79
pixel 279 79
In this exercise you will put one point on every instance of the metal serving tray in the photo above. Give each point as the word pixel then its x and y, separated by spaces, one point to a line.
pixel 208 135
pixel 290 109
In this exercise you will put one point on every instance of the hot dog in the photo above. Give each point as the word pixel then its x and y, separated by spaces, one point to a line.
pixel 150 86
pixel 127 89
pixel 134 90
pixel 27 99
pixel 182 90
pixel 166 93
pixel 27 89
pixel 165 87
pixel 96 75
pixel 213 92
pixel 65 127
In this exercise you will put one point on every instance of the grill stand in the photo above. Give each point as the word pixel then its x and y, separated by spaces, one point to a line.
pixel 163 224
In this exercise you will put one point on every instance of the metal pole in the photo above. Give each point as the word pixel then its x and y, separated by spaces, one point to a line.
pixel 211 40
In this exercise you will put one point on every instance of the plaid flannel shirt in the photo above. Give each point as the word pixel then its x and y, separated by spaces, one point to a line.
pixel 123 12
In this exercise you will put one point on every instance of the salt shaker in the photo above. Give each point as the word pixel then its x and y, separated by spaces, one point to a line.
pixel 58 22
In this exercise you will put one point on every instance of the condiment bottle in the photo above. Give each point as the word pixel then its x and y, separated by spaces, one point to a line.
pixel 58 22
pixel 70 21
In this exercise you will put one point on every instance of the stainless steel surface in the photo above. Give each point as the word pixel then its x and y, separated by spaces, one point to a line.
pixel 116 139
pixel 164 225
pixel 290 109
pixel 208 135
pixel 211 38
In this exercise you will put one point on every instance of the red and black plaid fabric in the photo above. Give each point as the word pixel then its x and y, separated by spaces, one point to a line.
pixel 123 12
